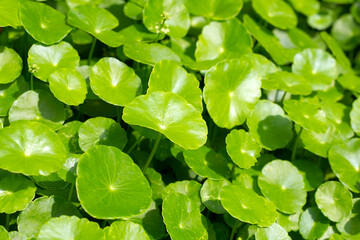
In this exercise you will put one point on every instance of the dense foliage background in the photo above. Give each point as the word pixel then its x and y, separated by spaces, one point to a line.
pixel 179 119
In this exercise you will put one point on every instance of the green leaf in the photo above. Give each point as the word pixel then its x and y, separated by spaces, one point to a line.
pixel 306 7
pixel 223 40
pixel 276 12
pixel 207 163
pixel 289 222
pixel 10 92
pixel 317 66
pixel 281 180
pixel 313 224
pixel 40 106
pixel 114 82
pixel 334 200
pixel 191 189
pixel 346 31
pixel 9 12
pixel 288 82
pixel 43 23
pixel 31 148
pixel 16 193
pixel 66 227
pixel 270 43
pixel 215 9
pixel 170 115
pixel 4 234
pixel 242 148
pixel 166 16
pixel 307 115
pixel 244 204
pixel 355 11
pixel 149 53
pixel 50 182
pixel 355 116
pixel 266 122
pixel 274 232
pixel 101 131
pixel 68 171
pixel 349 227
pixel 350 81
pixel 10 65
pixel 38 212
pixel 125 230
pixel 324 18
pixel 110 185
pixel 312 174
pixel 69 136
pixel 345 163
pixel 168 76
pixel 232 88
pixel 68 86
pixel 210 195
pixel 182 218
pixel 45 60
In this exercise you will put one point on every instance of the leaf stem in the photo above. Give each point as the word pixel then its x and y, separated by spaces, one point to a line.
pixel 134 145
pixel 7 223
pixel 92 48
pixel 71 192
pixel 119 114
pixel 293 154
pixel 31 81
pixel 283 97
pixel 152 153
pixel 232 171
pixel 233 231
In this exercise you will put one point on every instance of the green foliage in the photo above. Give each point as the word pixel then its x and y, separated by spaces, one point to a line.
pixel 179 119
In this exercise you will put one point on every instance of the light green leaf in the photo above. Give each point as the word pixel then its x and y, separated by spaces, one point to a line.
pixel 281 180
pixel 191 189
pixel 215 9
pixel 9 12
pixel 31 148
pixel 170 115
pixel 4 234
pixel 125 230
pixel 110 185
pixel 350 81
pixel 346 31
pixel 313 224
pixel 290 222
pixel 306 7
pixel 334 200
pixel 10 92
pixel 68 171
pixel 69 136
pixel 349 227
pixel 10 65
pixel 232 88
pixel 43 23
pixel 210 195
pixel 312 173
pixel 274 232
pixel 355 116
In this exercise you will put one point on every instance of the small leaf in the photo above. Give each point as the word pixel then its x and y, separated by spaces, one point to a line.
pixel 274 232
pixel 169 114
pixel 9 12
pixel 349 227
pixel 306 7
pixel 10 65
pixel 313 224
pixel 191 189
pixel 110 185
pixel 217 9
pixel 355 116
pixel 69 136
pixel 10 92
pixel 334 200
pixel 125 230
pixel 346 32
pixel 43 23
pixel 68 171
pixel 210 195
pixel 312 174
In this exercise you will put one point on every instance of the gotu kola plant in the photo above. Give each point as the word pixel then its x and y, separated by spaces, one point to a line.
pixel 183 120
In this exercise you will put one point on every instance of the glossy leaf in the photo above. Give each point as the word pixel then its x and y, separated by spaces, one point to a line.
pixel 355 116
pixel 349 226
pixel 312 174
pixel 10 92
pixel 346 32
pixel 125 230
pixel 210 195
pixel 68 171
pixel 9 12
pixel 306 7
pixel 215 9
pixel 69 136
pixel 274 232
pixel 313 223
pixel 10 65
pixel 191 189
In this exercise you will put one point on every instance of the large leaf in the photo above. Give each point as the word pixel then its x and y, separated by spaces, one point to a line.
pixel 170 115
pixel 125 230
pixel 215 9
pixel 9 12
pixel 313 223
pixel 31 148
pixel 110 185
pixel 10 65
pixel 232 88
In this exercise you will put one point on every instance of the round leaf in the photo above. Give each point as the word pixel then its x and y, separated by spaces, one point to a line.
pixel 43 23
pixel 69 136
pixel 9 12
pixel 68 171
pixel 317 66
pixel 267 122
pixel 170 115
pixel 313 223
pixel 274 232
pixel 207 163
pixel 215 9
pixel 16 193
pixel 276 12
pixel 281 180
pixel 210 195
pixel 31 148
pixel 44 60
pixel 65 227
pixel 114 82
pixel 166 16
pixel 168 76
pixel 110 185
pixel 244 204
pixel 68 86
pixel 312 174
pixel 10 92
pixel 126 230
pixel 242 148
pixel 182 218
pixel 344 160
pixel 10 65
pixel 191 189
pixel 4 234
pixel 234 41
pixel 306 7
pixel 101 131
pixel 38 212
pixel 349 227
pixel 334 200
pixel 231 91
pixel 346 32
pixel 40 106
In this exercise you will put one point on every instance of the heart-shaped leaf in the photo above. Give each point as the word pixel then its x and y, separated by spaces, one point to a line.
pixel 110 185
pixel 10 65
pixel 114 82
pixel 159 111
pixel 232 88
pixel 43 23
pixel 31 148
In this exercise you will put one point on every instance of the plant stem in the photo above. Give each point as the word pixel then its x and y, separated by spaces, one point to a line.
pixel 233 231
pixel 293 154
pixel 148 161
pixel 134 145
pixel 31 81
pixel 119 114
pixel 232 171
pixel 71 192
pixel 91 51
pixel 283 98
pixel 7 224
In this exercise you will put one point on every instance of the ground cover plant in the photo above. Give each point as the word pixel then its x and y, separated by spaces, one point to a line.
pixel 179 119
